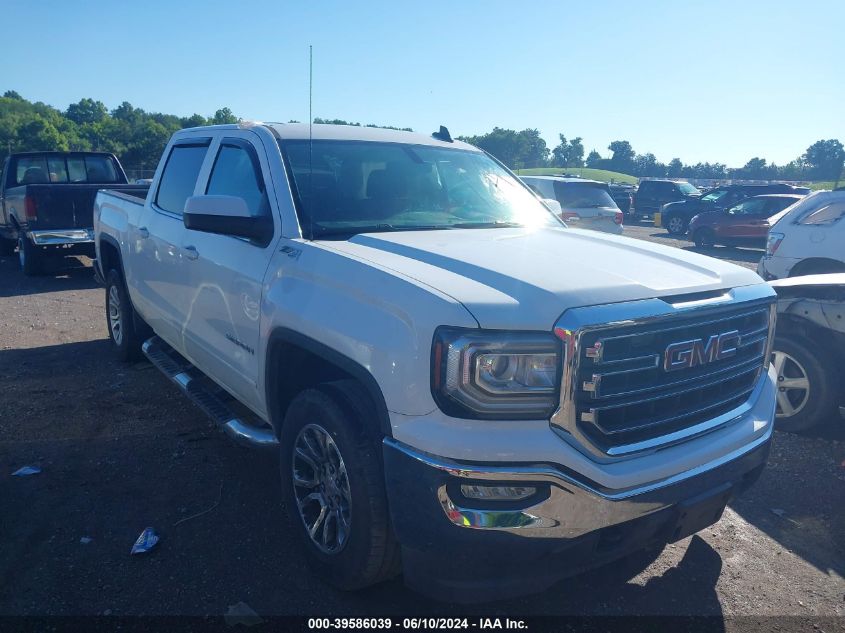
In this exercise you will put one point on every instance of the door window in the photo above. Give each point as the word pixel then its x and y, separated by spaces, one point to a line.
pixel 752 206
pixel 180 176
pixel 236 172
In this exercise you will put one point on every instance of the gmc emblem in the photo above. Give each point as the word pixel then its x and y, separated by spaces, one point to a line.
pixel 689 354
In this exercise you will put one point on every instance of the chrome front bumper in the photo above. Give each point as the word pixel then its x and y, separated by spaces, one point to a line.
pixel 570 507
pixel 60 237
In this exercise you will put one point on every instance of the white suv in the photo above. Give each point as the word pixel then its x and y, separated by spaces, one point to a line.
pixel 807 238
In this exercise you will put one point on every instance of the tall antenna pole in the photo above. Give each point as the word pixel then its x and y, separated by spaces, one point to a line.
pixel 310 140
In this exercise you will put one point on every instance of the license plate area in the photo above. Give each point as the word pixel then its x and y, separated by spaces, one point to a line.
pixel 695 514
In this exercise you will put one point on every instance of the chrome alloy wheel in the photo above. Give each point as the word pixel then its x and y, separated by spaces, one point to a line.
pixel 793 385
pixel 115 322
pixel 321 487
pixel 675 225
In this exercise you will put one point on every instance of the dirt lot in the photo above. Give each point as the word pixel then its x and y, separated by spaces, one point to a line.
pixel 121 450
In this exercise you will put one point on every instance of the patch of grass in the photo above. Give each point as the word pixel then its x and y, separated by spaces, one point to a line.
pixel 584 172
pixel 815 186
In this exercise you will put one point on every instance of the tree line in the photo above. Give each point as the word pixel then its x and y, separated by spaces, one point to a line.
pixel 823 160
pixel 138 137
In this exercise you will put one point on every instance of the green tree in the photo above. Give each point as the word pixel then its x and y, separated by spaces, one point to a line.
pixel 11 94
pixel 223 115
pixel 86 111
pixel 594 159
pixel 568 153
pixel 39 134
pixel 825 159
pixel 623 156
pixel 675 168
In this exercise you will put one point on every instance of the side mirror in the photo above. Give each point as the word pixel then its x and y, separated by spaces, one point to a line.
pixel 226 215
pixel 553 205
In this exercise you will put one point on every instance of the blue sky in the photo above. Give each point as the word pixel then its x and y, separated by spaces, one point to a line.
pixel 714 80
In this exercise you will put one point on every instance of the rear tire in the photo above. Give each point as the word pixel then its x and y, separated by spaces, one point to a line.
pixel 31 258
pixel 675 224
pixel 801 361
pixel 120 319
pixel 704 238
pixel 340 478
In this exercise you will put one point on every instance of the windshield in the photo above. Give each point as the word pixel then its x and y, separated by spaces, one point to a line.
pixel 687 188
pixel 716 194
pixel 582 195
pixel 348 187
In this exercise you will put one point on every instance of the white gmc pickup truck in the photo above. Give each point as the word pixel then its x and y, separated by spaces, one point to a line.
pixel 458 385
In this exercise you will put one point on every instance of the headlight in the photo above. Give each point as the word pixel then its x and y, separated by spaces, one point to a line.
pixel 492 374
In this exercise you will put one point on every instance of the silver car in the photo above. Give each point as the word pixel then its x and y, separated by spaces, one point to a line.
pixel 584 204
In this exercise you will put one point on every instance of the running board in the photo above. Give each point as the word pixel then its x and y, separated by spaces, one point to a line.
pixel 189 380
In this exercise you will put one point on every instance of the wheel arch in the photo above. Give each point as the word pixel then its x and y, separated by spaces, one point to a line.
pixel 817 265
pixel 310 363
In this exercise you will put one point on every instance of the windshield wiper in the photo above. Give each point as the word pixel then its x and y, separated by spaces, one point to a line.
pixel 497 224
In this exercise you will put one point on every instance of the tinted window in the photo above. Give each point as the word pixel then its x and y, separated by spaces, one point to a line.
pixel 236 173
pixel 31 170
pixel 91 169
pixel 713 196
pixel 576 195
pixel 58 169
pixel 180 176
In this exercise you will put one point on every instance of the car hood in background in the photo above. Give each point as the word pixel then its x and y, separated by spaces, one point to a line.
pixel 525 278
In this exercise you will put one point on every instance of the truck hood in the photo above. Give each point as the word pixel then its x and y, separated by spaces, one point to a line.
pixel 526 278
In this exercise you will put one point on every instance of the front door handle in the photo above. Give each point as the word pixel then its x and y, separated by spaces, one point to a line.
pixel 191 252
pixel 143 232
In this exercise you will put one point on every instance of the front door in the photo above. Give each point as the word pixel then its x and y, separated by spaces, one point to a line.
pixel 224 305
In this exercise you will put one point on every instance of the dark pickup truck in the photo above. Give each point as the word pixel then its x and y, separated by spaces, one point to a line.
pixel 47 203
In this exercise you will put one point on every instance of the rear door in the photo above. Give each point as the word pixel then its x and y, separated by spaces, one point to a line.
pixel 162 292
pixel 745 221
pixel 226 272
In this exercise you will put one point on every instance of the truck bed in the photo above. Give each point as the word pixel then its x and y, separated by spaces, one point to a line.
pixel 65 206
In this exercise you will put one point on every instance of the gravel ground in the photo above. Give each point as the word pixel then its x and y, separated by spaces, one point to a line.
pixel 121 450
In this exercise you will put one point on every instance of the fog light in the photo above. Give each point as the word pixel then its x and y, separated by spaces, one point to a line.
pixel 497 493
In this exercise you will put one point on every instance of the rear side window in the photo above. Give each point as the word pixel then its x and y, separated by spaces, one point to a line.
pixel 180 176
pixel 236 172
pixel 825 214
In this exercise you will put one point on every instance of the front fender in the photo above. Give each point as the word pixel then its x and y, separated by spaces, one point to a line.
pixel 377 319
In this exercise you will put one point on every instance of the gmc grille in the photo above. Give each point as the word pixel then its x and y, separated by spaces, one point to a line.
pixel 623 394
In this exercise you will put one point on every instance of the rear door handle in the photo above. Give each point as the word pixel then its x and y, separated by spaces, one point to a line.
pixel 143 232
pixel 191 252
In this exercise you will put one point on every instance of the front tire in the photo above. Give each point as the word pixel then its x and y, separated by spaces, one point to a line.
pixel 806 382
pixel 31 258
pixel 333 486
pixel 704 238
pixel 675 225
pixel 120 319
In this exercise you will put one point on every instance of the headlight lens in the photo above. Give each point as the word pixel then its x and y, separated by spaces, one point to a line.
pixel 495 374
